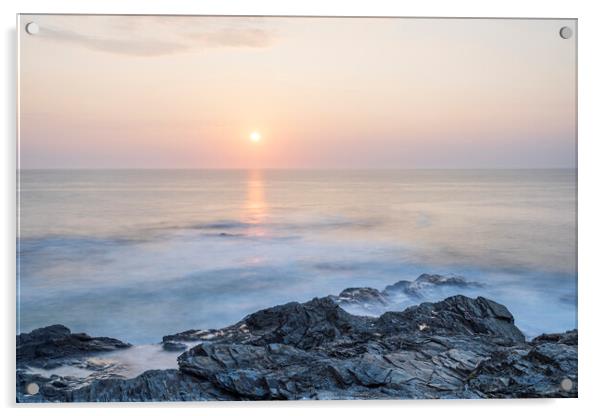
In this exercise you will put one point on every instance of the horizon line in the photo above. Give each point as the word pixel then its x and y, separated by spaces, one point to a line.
pixel 307 169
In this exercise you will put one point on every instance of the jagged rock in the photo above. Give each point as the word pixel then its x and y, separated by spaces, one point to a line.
pixel 44 347
pixel 361 296
pixel 424 282
pixel 456 315
pixel 538 370
pixel 457 348
pixel 373 301
pixel 174 346
pixel 151 386
pixel 567 338
pixel 426 351
pixel 304 325
pixel 437 279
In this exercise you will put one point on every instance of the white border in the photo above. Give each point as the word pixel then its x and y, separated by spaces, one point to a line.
pixel 590 194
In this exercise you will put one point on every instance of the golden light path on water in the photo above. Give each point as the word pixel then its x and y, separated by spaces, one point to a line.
pixel 255 209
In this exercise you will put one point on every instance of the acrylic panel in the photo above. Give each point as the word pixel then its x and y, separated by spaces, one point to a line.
pixel 287 208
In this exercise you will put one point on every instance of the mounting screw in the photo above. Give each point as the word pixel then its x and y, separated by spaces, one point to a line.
pixel 566 32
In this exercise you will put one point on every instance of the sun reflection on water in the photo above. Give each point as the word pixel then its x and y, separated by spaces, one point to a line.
pixel 255 208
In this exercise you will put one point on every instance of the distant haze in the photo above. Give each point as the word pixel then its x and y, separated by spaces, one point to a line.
pixel 186 92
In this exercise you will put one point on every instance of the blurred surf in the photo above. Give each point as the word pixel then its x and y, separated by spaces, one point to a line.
pixel 139 254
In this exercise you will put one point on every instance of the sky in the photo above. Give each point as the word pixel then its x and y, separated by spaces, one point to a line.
pixel 321 93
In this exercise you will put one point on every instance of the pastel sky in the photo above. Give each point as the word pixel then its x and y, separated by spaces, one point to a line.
pixel 186 92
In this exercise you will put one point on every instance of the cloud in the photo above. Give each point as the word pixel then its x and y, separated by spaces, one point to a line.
pixel 175 40
pixel 136 47
pixel 251 38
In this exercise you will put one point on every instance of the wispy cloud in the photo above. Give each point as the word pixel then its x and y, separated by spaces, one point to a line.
pixel 250 38
pixel 137 47
pixel 168 39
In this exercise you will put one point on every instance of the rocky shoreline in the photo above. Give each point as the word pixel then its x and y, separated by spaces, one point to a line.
pixel 460 347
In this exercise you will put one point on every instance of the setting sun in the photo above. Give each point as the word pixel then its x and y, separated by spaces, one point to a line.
pixel 255 136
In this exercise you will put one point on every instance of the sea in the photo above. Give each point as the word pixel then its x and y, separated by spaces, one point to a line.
pixel 139 254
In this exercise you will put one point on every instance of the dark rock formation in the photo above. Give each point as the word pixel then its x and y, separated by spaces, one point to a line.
pixel 151 386
pixel 361 296
pixel 174 346
pixel 374 301
pixel 45 347
pixel 457 315
pixel 547 367
pixel 567 338
pixel 425 281
pixel 457 348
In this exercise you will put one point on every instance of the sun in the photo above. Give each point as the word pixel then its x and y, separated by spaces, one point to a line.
pixel 255 136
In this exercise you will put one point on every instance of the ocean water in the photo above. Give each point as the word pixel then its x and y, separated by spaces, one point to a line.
pixel 138 254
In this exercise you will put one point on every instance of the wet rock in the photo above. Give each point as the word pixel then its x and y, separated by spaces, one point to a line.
pixel 373 301
pixel 456 315
pixel 153 385
pixel 304 325
pixel 457 348
pixel 433 350
pixel 229 235
pixel 45 347
pixel 361 296
pixel 567 338
pixel 424 282
pixel 174 346
pixel 546 368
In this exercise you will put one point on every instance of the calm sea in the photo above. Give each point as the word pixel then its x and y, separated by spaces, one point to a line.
pixel 138 254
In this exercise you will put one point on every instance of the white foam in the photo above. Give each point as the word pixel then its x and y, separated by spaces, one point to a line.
pixel 62 371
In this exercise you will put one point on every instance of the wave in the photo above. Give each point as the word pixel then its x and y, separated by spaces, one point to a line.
pixel 211 274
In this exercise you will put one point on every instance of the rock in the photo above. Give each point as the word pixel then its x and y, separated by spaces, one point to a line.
pixel 437 279
pixel 230 235
pixel 456 315
pixel 373 301
pixel 457 348
pixel 45 347
pixel 403 286
pixel 567 338
pixel 432 350
pixel 539 370
pixel 362 296
pixel 174 346
pixel 305 325
pixel 151 386
pixel 424 282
